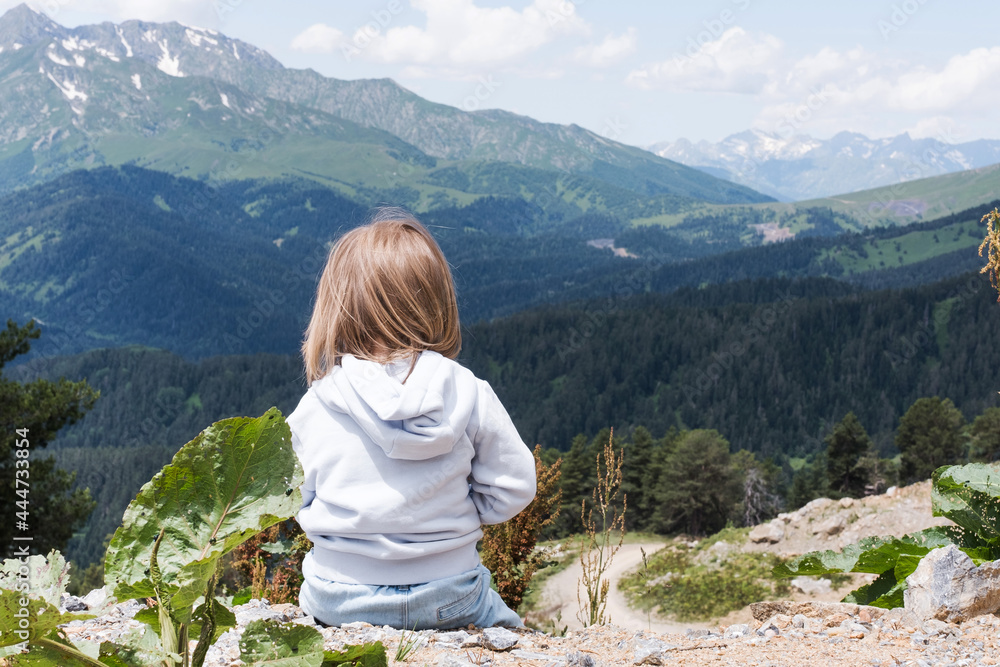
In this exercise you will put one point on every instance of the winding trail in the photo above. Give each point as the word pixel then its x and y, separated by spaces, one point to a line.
pixel 559 595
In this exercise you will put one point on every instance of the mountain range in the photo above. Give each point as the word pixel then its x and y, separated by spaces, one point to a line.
pixel 801 167
pixel 192 101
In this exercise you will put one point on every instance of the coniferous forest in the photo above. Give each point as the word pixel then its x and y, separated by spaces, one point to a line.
pixel 703 349
pixel 752 375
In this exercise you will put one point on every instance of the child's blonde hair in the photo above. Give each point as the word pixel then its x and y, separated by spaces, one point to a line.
pixel 386 293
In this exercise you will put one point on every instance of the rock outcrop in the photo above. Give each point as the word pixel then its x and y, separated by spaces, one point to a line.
pixel 948 586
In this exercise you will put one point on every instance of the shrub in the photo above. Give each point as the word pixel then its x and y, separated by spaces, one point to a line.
pixel 508 549
pixel 697 585
pixel 968 495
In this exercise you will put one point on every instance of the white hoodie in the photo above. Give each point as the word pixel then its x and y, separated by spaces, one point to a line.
pixel 399 478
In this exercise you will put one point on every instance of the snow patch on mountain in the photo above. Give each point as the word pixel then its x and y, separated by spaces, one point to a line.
pixel 168 65
pixel 196 39
pixel 137 81
pixel 56 58
pixel 68 88
pixel 801 167
pixel 121 36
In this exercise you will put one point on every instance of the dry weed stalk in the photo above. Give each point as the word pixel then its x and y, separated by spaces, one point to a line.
pixel 508 549
pixel 275 576
pixel 992 245
pixel 597 545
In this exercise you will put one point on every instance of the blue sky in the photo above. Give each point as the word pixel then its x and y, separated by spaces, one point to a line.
pixel 639 72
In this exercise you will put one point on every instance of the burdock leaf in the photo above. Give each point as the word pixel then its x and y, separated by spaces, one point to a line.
pixel 236 478
pixel 969 495
pixel 267 642
pixel 47 576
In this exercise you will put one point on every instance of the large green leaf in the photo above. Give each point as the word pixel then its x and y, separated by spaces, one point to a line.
pixel 236 478
pixel 874 555
pixel 886 592
pixel 371 654
pixel 36 618
pixel 969 495
pixel 270 643
pixel 47 576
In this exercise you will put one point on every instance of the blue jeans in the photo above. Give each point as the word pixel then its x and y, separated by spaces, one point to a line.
pixel 452 602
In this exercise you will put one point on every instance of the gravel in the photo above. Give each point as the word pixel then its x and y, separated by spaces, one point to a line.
pixel 833 635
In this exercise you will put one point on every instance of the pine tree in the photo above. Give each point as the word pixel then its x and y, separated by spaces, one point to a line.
pixel 36 494
pixel 698 488
pixel 984 445
pixel 846 448
pixel 639 455
pixel 930 435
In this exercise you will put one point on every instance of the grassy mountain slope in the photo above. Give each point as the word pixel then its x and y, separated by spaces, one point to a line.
pixel 132 256
pixel 895 205
pixel 194 102
pixel 770 364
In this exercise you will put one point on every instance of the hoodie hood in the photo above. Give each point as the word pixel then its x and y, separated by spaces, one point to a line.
pixel 421 419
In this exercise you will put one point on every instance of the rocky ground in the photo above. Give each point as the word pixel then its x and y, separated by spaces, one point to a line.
pixel 829 524
pixel 782 633
pixel 807 631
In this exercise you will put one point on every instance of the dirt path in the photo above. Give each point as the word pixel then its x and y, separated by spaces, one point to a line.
pixel 559 595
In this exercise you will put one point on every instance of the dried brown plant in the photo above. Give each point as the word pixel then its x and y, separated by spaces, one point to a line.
pixel 508 548
pixel 275 576
pixel 992 245
pixel 602 537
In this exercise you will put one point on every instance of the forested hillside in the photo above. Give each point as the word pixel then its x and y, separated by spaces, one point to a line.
pixel 770 365
pixel 132 256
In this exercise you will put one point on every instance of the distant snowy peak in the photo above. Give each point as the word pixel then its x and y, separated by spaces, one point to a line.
pixel 803 167
pixel 164 45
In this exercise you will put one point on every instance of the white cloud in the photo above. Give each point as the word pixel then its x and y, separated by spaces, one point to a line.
pixel 611 50
pixel 459 35
pixel 959 81
pixel 737 62
pixel 938 127
pixel 198 12
pixel 831 91
pixel 319 38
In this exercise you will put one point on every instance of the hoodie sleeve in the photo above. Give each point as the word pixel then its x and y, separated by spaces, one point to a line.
pixel 308 487
pixel 503 469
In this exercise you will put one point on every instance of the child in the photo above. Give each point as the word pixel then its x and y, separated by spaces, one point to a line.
pixel 406 453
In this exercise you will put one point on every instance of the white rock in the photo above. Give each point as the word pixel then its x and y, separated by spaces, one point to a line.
pixel 815 505
pixel 947 586
pixel 846 502
pixel 771 532
pixel 99 599
pixel 499 639
pixel 831 526
pixel 811 585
